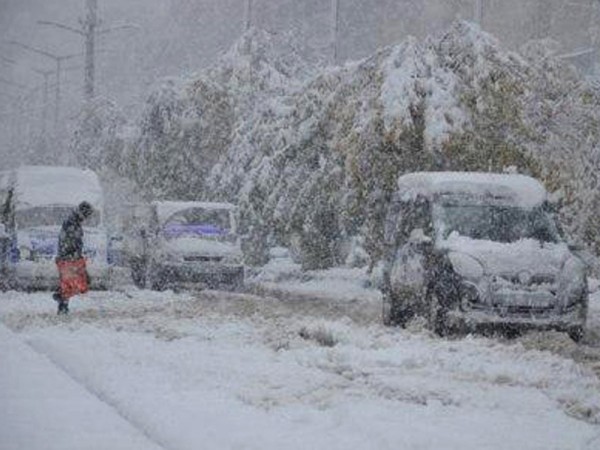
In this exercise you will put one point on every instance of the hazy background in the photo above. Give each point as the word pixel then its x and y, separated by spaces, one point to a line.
pixel 178 37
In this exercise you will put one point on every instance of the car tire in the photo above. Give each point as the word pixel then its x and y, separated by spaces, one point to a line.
pixel 138 277
pixel 158 279
pixel 437 314
pixel 236 283
pixel 395 311
pixel 576 333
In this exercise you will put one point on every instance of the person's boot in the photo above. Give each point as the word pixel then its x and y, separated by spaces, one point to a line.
pixel 63 307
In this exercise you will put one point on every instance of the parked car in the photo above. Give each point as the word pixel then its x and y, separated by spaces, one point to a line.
pixel 172 244
pixel 5 229
pixel 4 258
pixel 41 198
pixel 472 250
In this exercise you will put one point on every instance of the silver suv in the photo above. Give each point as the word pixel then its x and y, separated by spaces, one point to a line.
pixel 473 250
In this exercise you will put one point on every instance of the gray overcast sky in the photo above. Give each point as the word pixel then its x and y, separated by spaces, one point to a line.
pixel 178 37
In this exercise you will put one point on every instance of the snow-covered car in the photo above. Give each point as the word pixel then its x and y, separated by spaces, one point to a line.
pixel 185 244
pixel 42 197
pixel 473 250
pixel 5 236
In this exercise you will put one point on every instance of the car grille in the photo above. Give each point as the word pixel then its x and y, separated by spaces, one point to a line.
pixel 202 258
pixel 523 302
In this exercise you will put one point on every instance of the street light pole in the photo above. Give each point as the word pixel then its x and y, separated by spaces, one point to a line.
pixel 334 30
pixel 58 60
pixel 479 12
pixel 89 30
pixel 248 21
pixel 89 26
pixel 45 74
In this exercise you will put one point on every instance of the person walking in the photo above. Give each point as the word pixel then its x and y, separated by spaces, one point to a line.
pixel 73 276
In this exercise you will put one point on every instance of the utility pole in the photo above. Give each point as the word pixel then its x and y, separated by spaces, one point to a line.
pixel 543 18
pixel 89 26
pixel 45 74
pixel 334 30
pixel 479 12
pixel 248 15
pixel 593 32
pixel 58 60
pixel 88 30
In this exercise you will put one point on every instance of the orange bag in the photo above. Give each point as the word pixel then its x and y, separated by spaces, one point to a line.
pixel 73 278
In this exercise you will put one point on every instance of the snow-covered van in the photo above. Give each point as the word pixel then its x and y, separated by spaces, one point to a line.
pixel 187 244
pixel 43 196
pixel 472 250
pixel 5 227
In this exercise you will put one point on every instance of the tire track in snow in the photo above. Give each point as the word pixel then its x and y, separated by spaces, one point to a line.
pixel 113 404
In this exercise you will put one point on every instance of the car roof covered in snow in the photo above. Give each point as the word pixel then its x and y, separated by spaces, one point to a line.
pixel 165 209
pixel 54 185
pixel 520 190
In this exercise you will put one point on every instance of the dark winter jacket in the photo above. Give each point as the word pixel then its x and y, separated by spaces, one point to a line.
pixel 70 239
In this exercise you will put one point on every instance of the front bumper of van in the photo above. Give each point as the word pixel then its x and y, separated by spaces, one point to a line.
pixel 196 274
pixel 474 320
pixel 43 275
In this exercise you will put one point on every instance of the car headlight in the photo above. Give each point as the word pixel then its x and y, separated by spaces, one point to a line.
pixel 466 266
pixel 572 282
pixel 469 295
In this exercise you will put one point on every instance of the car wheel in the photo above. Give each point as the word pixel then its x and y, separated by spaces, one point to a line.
pixel 158 285
pixel 437 315
pixel 576 333
pixel 237 281
pixel 138 277
pixel 396 310
pixel 158 279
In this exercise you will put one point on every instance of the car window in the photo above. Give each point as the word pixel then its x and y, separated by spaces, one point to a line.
pixel 406 217
pixel 495 223
pixel 219 218
pixel 49 216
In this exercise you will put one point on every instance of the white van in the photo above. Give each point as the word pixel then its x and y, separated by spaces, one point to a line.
pixel 43 197
pixel 468 250
pixel 183 244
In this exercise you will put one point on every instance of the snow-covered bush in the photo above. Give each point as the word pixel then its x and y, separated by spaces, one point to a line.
pixel 98 140
pixel 312 154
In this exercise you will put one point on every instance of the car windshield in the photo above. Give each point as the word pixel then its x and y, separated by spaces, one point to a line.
pixel 44 216
pixel 494 223
pixel 199 221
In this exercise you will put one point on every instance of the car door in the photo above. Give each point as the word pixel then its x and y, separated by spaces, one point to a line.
pixel 408 274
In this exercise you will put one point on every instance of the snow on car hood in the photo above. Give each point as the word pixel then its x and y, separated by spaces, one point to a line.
pixel 499 258
pixel 194 246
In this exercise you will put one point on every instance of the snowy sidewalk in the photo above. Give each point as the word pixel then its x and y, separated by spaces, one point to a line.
pixel 41 407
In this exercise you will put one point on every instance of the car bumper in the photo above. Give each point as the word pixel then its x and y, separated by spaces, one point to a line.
pixel 552 320
pixel 197 274
pixel 44 275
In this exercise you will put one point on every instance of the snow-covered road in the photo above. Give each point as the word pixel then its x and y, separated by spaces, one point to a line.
pixel 238 371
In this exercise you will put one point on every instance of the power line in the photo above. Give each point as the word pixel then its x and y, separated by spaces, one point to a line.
pixel 58 59
pixel 89 30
